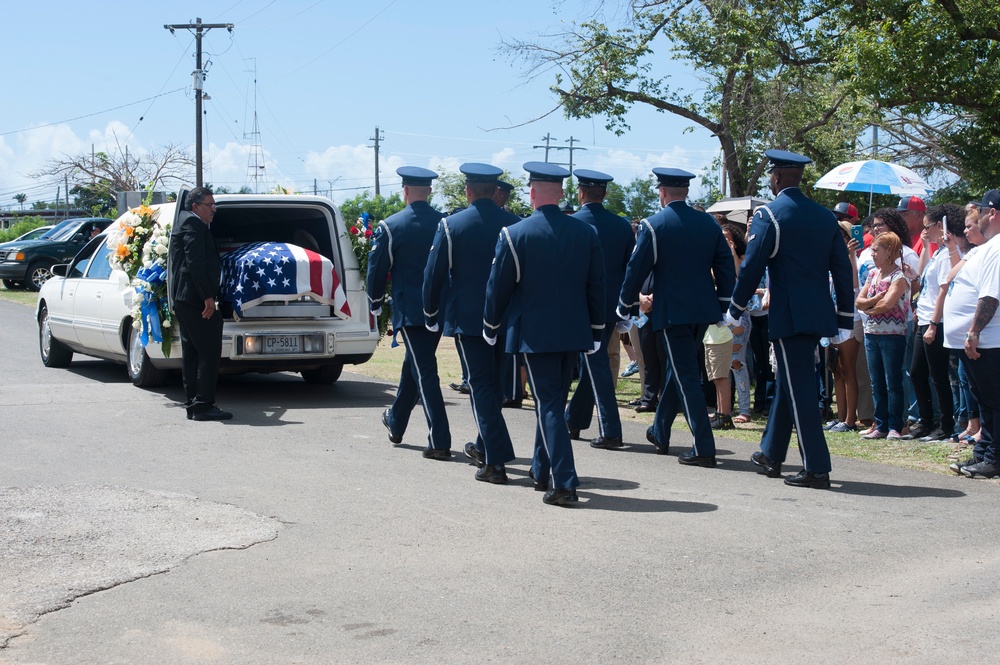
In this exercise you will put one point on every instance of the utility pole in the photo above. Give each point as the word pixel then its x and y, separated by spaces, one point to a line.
pixel 571 140
pixel 378 138
pixel 548 139
pixel 198 75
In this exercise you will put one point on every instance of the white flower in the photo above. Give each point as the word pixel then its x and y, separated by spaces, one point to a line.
pixel 165 323
pixel 160 249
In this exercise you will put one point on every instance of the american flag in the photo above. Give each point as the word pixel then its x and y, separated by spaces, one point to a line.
pixel 276 271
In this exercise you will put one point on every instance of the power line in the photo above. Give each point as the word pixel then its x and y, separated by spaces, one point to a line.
pixel 90 115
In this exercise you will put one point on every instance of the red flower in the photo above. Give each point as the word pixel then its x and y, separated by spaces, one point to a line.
pixel 355 230
pixel 368 233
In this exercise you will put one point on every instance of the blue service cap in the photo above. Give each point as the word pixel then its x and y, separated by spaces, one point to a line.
pixel 476 172
pixel 545 172
pixel 588 178
pixel 505 186
pixel 416 176
pixel 782 159
pixel 672 177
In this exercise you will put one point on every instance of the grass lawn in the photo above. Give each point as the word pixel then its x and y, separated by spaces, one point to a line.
pixel 386 364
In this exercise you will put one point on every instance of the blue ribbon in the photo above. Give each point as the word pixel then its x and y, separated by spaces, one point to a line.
pixel 149 308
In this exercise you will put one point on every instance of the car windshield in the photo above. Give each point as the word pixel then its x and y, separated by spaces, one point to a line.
pixel 59 229
pixel 66 232
pixel 48 233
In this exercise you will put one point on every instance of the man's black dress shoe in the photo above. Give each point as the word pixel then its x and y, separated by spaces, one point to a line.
pixel 472 452
pixel 645 408
pixel 560 497
pixel 539 485
pixel 437 453
pixel 607 442
pixel 772 469
pixel 512 403
pixel 492 473
pixel 660 448
pixel 385 421
pixel 817 481
pixel 690 459
pixel 212 413
pixel 462 387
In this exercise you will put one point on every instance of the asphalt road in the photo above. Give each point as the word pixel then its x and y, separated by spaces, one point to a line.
pixel 297 534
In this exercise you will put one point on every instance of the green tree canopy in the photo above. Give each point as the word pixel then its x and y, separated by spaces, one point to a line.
pixel 377 207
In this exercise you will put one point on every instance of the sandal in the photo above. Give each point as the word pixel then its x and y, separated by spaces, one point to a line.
pixel 742 418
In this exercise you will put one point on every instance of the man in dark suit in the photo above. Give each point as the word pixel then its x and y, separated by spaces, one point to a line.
pixel 455 293
pixel 401 244
pixel 693 277
pixel 800 244
pixel 194 271
pixel 597 385
pixel 548 275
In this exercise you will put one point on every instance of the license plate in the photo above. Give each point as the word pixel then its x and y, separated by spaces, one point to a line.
pixel 283 344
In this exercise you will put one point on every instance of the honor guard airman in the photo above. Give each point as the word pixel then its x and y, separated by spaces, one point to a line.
pixel 693 277
pixel 401 244
pixel 597 385
pixel 548 276
pixel 800 244
pixel 454 296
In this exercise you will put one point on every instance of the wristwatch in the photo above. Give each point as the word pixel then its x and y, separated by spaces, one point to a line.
pixel 971 336
pixel 934 323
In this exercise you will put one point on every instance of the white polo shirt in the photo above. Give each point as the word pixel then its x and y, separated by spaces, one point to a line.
pixel 979 278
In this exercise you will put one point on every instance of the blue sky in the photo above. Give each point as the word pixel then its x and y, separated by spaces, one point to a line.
pixel 430 74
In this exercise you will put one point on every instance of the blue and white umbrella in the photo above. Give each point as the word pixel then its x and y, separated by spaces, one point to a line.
pixel 875 177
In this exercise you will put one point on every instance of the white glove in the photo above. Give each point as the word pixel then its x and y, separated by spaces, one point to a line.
pixel 623 326
pixel 376 312
pixel 597 345
pixel 728 320
pixel 489 340
pixel 843 334
pixel 433 328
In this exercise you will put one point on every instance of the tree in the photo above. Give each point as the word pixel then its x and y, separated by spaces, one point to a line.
pixel 765 66
pixel 636 200
pixel 377 207
pixel 449 192
pixel 97 198
pixel 124 171
pixel 21 198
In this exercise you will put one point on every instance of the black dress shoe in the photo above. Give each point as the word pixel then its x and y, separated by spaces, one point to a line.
pixel 607 442
pixel 690 459
pixel 493 473
pixel 512 403
pixel 660 448
pixel 385 421
pixel 817 481
pixel 212 413
pixel 462 387
pixel 772 469
pixel 539 485
pixel 560 497
pixel 472 452
pixel 645 408
pixel 437 453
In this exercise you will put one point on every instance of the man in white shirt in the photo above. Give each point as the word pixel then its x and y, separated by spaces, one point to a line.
pixel 969 312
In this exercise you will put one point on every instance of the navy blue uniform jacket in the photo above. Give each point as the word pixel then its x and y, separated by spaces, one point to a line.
pixel 401 244
pixel 463 251
pixel 617 242
pixel 801 245
pixel 548 271
pixel 679 244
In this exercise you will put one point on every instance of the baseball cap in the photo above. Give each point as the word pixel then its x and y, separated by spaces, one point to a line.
pixel 990 199
pixel 845 209
pixel 912 203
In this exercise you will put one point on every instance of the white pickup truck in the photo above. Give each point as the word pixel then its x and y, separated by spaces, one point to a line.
pixel 86 307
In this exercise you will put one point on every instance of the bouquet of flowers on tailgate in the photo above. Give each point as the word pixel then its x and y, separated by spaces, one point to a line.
pixel 360 234
pixel 139 248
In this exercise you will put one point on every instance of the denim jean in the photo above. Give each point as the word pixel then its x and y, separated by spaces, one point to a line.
pixel 886 355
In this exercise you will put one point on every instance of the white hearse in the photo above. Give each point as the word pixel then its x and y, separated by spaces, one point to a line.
pixel 86 307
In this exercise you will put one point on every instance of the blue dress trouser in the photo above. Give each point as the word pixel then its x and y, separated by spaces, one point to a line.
pixel 682 388
pixel 795 399
pixel 550 375
pixel 419 377
pixel 511 377
pixel 596 385
pixel 483 364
